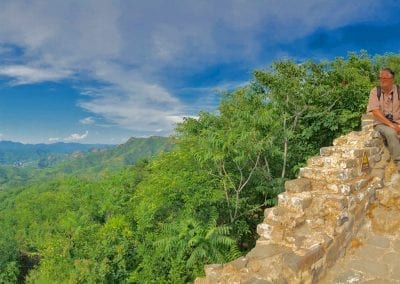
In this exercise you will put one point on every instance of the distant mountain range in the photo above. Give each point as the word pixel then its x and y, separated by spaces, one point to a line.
pixel 59 147
pixel 24 163
pixel 116 157
pixel 19 154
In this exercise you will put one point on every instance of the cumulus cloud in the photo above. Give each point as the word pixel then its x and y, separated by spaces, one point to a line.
pixel 76 136
pixel 138 50
pixel 149 35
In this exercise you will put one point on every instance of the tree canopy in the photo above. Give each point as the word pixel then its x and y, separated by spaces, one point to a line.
pixel 161 220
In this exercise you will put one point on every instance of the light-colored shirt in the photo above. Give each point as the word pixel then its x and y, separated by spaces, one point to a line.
pixel 388 103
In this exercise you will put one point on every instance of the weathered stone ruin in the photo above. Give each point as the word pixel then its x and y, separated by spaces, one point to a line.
pixel 317 216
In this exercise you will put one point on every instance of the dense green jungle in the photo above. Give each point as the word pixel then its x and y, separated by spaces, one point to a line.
pixel 129 215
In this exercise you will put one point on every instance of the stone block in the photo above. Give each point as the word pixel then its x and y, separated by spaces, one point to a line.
pixel 346 163
pixel 368 128
pixel 315 161
pixel 265 250
pixel 340 141
pixel 298 185
pixel 327 151
pixel 292 219
pixel 341 188
pixel 332 162
pixel 345 174
pixel 347 188
pixel 229 277
pixel 270 233
pixel 353 153
pixel 335 202
pixel 367 119
pixel 213 271
pixel 271 216
pixel 377 142
pixel 318 185
pixel 264 230
pixel 239 263
pixel 200 280
pixel 295 201
pixel 337 248
pixel 269 268
pixel 298 263
pixel 330 175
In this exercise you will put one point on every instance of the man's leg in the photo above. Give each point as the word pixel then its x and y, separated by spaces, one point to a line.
pixel 393 142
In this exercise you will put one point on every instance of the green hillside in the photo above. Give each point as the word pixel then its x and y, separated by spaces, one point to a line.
pixel 41 155
pixel 99 219
pixel 89 164
pixel 116 158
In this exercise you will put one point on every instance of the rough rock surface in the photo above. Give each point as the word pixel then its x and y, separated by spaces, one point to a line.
pixel 373 256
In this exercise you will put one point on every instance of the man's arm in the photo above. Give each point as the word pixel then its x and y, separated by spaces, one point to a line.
pixel 377 113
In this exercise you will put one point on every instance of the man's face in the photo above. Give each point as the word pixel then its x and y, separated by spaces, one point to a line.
pixel 386 79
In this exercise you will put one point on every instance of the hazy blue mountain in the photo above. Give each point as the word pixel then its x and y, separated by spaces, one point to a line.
pixel 32 163
pixel 19 154
pixel 117 157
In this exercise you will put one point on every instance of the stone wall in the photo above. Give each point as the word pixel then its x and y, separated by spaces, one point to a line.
pixel 316 217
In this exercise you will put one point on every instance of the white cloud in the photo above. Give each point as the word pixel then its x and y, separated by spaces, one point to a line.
pixel 87 120
pixel 138 49
pixel 178 119
pixel 76 136
pixel 131 102
pixel 53 139
pixel 26 74
pixel 149 35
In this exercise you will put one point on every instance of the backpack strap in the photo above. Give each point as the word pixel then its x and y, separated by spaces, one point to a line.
pixel 398 92
pixel 379 92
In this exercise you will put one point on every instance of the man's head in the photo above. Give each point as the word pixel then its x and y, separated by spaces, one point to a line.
pixel 386 78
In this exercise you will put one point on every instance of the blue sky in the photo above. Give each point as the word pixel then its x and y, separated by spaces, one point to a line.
pixel 97 71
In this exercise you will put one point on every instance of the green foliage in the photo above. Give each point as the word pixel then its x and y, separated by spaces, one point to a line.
pixel 95 219
pixel 116 158
pixel 316 102
pixel 9 270
pixel 79 231
pixel 88 165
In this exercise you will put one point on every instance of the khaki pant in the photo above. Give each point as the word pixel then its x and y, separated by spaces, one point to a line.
pixel 392 140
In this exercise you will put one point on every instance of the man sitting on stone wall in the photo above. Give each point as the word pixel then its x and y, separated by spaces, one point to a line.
pixel 385 107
